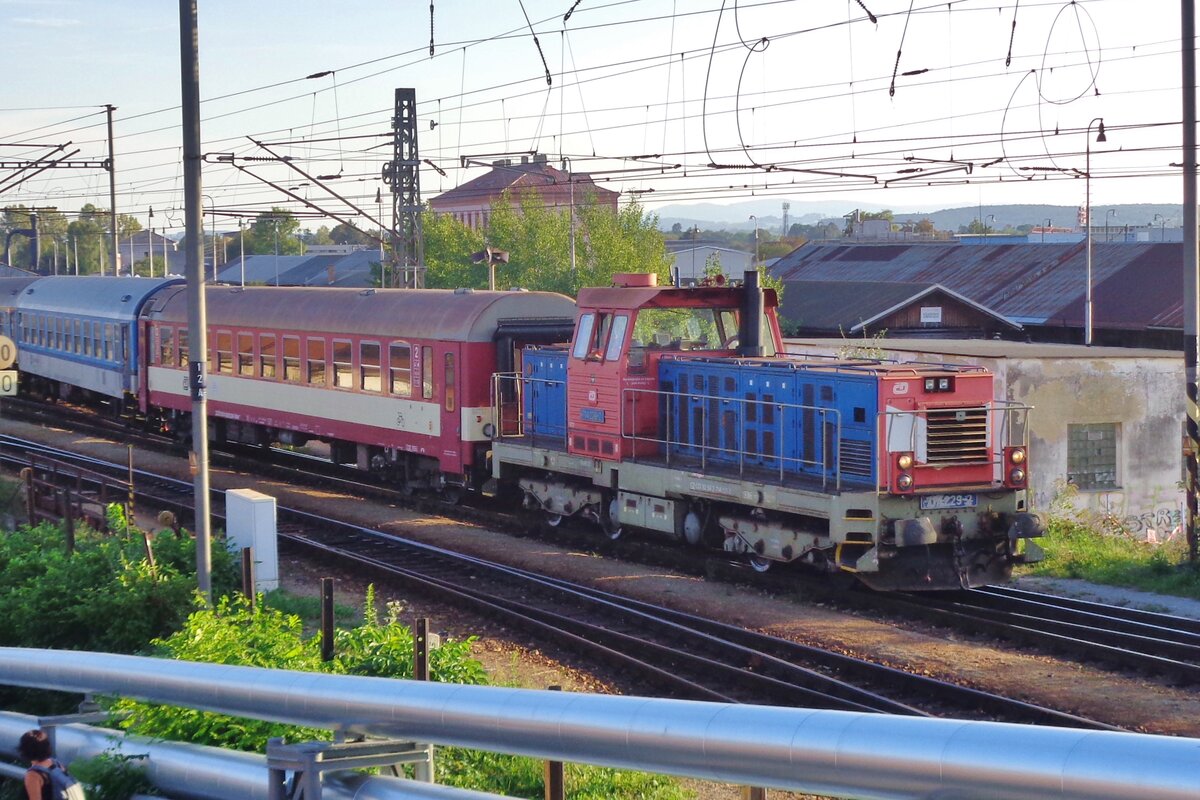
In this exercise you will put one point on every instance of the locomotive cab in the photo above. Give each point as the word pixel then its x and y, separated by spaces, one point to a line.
pixel 623 332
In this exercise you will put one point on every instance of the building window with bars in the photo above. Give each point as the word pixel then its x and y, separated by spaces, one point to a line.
pixel 1092 456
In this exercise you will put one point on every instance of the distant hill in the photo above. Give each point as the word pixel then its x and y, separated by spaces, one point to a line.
pixel 736 216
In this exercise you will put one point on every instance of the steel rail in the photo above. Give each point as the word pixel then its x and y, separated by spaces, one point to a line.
pixel 767 668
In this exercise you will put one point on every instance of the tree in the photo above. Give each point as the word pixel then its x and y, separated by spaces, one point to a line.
pixel 52 231
pixel 926 227
pixel 278 224
pixel 320 237
pixel 347 234
pixel 537 239
pixel 677 227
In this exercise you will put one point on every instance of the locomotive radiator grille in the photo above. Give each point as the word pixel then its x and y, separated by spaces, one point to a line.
pixel 957 435
pixel 856 458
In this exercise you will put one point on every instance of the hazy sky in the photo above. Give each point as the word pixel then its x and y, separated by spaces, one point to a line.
pixel 668 101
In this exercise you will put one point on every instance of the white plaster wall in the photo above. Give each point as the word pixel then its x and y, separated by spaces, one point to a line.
pixel 1145 396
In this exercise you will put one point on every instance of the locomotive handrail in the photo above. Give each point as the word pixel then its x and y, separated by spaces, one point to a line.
pixel 704 446
pixel 519 381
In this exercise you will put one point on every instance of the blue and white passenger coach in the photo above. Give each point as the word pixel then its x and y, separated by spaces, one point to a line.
pixel 79 335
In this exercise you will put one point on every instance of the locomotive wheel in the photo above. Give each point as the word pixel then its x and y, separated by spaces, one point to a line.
pixel 451 494
pixel 610 523
pixel 553 520
pixel 693 527
pixel 760 564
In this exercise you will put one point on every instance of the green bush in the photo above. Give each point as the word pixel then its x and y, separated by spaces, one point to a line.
pixel 105 596
pixel 112 776
pixel 233 633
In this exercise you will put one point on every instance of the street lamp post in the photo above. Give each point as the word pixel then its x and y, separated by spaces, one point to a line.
pixel 1087 304
pixel 755 219
pixel 987 228
pixel 1047 225
pixel 1112 212
pixel 1162 231
pixel 150 243
pixel 242 241
pixel 276 221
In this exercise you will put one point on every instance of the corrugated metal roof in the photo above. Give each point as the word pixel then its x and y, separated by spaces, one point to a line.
pixel 847 305
pixel 1134 285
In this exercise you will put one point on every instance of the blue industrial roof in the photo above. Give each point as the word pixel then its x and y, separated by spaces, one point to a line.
pixel 1134 285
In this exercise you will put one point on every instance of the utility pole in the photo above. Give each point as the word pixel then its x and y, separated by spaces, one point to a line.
pixel 1191 262
pixel 402 173
pixel 786 208
pixel 112 191
pixel 189 63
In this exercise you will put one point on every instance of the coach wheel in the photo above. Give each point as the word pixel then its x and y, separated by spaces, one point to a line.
pixel 553 519
pixel 610 520
pixel 760 564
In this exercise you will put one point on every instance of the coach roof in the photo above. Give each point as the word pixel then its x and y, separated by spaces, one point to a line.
pixel 91 296
pixel 461 315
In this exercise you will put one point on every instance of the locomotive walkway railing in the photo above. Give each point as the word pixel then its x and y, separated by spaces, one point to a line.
pixel 842 754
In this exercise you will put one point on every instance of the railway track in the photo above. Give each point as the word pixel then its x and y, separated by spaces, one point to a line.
pixel 680 655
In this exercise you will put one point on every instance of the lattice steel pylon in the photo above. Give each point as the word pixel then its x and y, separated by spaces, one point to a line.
pixel 403 175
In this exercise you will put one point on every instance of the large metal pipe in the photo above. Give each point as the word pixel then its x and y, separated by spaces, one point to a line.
pixel 196 772
pixel 752 316
pixel 821 752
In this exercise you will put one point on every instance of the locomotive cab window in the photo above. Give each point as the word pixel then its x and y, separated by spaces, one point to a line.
pixel 583 335
pixel 368 364
pixel 400 364
pixel 616 339
pixel 686 329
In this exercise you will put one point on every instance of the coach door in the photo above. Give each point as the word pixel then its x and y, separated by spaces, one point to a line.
pixel 449 380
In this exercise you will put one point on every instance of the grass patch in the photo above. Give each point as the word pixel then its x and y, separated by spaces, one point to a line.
pixel 1075 549
pixel 309 608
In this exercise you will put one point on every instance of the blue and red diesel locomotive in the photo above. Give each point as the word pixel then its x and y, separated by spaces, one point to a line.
pixel 671 410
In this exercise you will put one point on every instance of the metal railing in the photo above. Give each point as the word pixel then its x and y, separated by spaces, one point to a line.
pixel 830 455
pixel 838 753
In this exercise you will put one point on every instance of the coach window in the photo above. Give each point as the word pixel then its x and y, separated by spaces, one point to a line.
pixel 368 364
pixel 343 374
pixel 448 382
pixel 109 343
pixel 86 338
pixel 225 352
pixel 427 372
pixel 583 336
pixel 266 355
pixel 291 358
pixel 245 354
pixel 182 350
pixel 97 339
pixel 316 362
pixel 166 354
pixel 401 367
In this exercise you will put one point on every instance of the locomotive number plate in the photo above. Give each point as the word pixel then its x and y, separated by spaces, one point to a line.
pixel 932 501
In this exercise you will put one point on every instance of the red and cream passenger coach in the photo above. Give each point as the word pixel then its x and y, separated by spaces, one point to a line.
pixel 395 381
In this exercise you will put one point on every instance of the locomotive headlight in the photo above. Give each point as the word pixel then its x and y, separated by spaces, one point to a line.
pixel 905 481
pixel 489 430
pixel 1017 456
pixel 1017 475
pixel 905 461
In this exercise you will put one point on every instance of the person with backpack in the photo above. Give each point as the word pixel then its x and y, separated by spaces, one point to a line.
pixel 46 778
